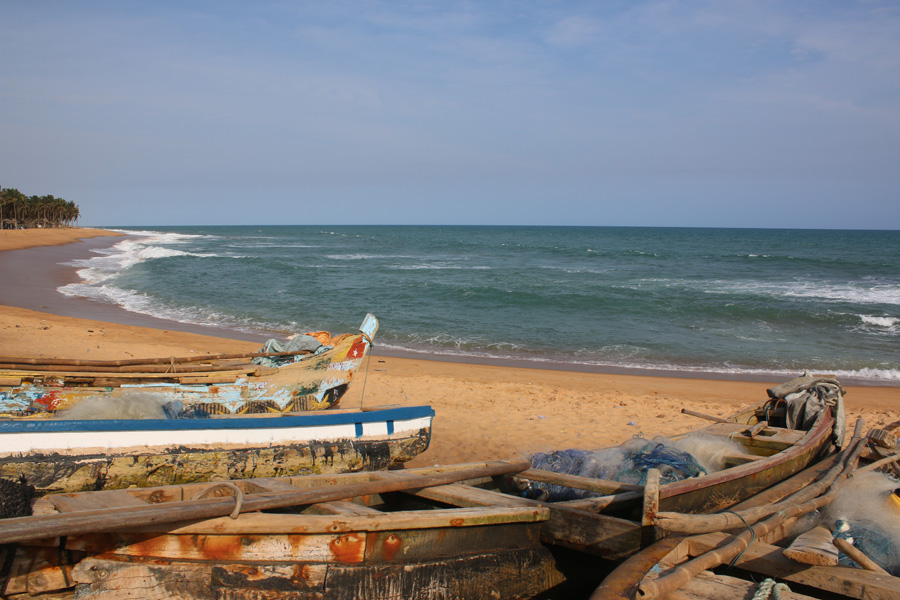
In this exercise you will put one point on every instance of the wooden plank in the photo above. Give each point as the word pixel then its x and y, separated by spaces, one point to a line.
pixel 281 526
pixel 769 560
pixel 813 547
pixel 11 381
pixel 112 498
pixel 345 508
pixel 65 503
pixel 590 484
pixel 738 458
pixel 773 438
pixel 651 507
pixel 115 580
pixel 707 585
pixel 756 429
pixel 457 494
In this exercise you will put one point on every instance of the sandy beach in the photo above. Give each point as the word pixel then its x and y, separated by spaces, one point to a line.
pixel 484 412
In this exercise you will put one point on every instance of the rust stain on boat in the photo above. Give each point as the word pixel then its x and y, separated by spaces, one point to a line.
pixel 391 546
pixel 348 548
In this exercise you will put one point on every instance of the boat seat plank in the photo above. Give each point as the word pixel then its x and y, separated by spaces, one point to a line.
pixel 457 494
pixel 740 458
pixel 114 498
pixel 65 503
pixel 268 484
pixel 773 438
pixel 345 508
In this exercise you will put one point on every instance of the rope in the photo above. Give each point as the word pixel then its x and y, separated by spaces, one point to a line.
pixel 770 589
pixel 238 495
pixel 752 538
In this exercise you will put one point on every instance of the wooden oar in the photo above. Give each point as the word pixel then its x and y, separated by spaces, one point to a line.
pixel 701 415
pixel 110 519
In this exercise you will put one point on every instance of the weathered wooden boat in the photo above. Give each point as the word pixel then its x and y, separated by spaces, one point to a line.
pixel 618 520
pixel 772 535
pixel 303 380
pixel 360 535
pixel 67 456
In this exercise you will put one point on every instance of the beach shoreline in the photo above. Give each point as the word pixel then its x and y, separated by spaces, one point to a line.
pixel 485 409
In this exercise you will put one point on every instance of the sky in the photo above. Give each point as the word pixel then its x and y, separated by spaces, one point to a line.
pixel 736 113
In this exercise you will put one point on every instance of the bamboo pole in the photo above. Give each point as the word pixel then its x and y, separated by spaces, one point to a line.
pixel 857 556
pixel 70 362
pixel 172 367
pixel 701 415
pixel 877 464
pixel 590 484
pixel 18 529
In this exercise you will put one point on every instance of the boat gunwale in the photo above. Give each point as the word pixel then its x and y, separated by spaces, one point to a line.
pixel 273 420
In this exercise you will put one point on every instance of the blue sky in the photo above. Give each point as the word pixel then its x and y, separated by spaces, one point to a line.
pixel 696 113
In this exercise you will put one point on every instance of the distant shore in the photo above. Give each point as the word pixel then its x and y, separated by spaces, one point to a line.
pixel 483 411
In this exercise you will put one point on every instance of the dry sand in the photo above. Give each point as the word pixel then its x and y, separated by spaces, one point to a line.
pixel 15 239
pixel 484 412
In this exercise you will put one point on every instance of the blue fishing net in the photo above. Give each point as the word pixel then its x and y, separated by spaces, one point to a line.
pixel 626 464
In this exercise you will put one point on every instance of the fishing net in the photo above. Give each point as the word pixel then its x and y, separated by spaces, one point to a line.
pixel 298 343
pixel 626 464
pixel 873 541
pixel 866 513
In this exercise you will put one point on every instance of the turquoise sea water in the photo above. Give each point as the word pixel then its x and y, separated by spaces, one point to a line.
pixel 723 301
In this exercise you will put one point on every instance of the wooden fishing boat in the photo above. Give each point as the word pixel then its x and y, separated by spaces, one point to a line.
pixel 618 520
pixel 344 536
pixel 771 535
pixel 68 456
pixel 304 380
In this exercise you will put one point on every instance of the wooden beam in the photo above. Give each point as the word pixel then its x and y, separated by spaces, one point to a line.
pixel 589 484
pixel 770 561
pixel 651 506
pixel 109 519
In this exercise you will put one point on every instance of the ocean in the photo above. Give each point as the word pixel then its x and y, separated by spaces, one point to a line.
pixel 721 302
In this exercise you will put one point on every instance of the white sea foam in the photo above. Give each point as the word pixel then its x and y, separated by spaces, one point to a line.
pixel 857 293
pixel 143 246
pixel 881 321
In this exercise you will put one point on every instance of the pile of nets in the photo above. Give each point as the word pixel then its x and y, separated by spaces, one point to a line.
pixel 626 464
pixel 867 514
pixel 310 343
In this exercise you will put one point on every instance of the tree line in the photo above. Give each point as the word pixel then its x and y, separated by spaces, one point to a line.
pixel 18 211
